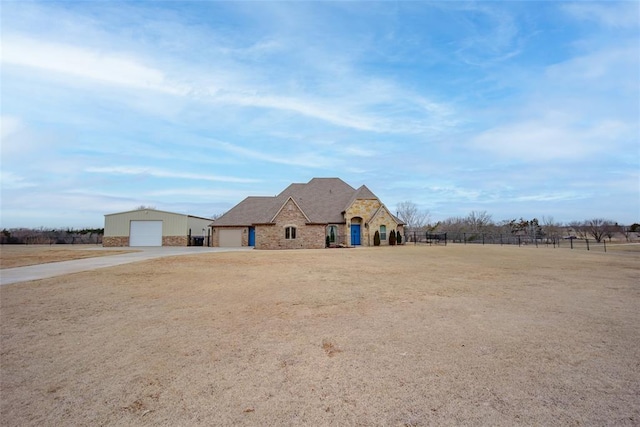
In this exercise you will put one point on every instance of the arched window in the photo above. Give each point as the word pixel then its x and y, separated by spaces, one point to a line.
pixel 332 232
pixel 290 233
pixel 383 232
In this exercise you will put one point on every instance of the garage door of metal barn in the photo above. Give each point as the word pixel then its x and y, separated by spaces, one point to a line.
pixel 145 233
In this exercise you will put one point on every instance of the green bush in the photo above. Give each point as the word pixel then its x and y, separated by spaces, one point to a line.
pixel 376 239
pixel 398 238
pixel 392 238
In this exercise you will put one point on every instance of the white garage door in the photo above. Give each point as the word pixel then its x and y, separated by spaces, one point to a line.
pixel 145 233
pixel 230 238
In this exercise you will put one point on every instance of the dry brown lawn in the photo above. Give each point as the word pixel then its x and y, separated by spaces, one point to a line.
pixel 404 336
pixel 23 255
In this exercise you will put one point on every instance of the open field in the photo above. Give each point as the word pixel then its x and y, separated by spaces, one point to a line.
pixel 407 336
pixel 22 255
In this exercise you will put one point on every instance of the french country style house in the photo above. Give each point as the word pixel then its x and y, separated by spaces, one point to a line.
pixel 307 216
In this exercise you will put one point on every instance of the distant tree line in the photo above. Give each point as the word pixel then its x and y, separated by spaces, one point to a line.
pixel 49 236
pixel 480 222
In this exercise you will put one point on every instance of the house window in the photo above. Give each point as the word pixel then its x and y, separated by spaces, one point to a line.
pixel 332 232
pixel 383 232
pixel 290 233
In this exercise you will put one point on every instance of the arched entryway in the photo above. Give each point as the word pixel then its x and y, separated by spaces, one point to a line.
pixel 356 231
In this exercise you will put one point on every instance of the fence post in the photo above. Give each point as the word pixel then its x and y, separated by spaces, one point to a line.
pixel 445 239
pixel 518 241
pixel 464 236
pixel 415 242
pixel 604 242
pixel 587 243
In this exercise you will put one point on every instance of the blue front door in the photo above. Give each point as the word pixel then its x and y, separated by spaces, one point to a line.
pixel 355 234
pixel 252 236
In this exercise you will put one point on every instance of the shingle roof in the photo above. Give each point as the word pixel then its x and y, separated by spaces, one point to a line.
pixel 323 200
pixel 252 210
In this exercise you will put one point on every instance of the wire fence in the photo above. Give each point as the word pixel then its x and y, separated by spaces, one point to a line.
pixel 425 238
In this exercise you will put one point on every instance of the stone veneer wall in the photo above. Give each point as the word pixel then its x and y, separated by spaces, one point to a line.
pixel 363 208
pixel 383 218
pixel 175 240
pixel 307 236
pixel 113 241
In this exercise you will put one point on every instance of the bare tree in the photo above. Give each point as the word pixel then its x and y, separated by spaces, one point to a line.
pixel 478 221
pixel 628 230
pixel 612 229
pixel 578 228
pixel 595 227
pixel 144 207
pixel 455 225
pixel 598 227
pixel 414 218
pixel 550 227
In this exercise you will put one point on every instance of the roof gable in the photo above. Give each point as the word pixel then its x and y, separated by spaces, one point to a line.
pixel 284 204
pixel 384 208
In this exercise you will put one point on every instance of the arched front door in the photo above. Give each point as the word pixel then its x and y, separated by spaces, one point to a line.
pixel 355 234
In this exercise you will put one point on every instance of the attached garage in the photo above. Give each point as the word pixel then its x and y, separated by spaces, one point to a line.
pixel 145 233
pixel 231 237
pixel 151 227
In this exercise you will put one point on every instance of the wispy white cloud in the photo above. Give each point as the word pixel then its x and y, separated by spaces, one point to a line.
pixel 292 158
pixel 202 193
pixel 14 181
pixel 614 66
pixel 491 34
pixel 549 139
pixel 620 14
pixel 79 62
pixel 358 151
pixel 163 173
pixel 123 69
pixel 552 196
pixel 9 125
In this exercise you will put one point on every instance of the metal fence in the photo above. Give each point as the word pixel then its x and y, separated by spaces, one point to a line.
pixel 422 237
pixel 520 240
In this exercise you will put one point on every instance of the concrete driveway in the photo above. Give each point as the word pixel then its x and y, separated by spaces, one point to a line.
pixel 53 269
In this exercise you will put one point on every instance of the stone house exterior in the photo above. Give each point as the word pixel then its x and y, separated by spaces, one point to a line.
pixel 303 216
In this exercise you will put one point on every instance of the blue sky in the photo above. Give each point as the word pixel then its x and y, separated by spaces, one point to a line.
pixel 520 109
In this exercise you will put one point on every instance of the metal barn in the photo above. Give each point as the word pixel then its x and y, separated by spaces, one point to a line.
pixel 151 227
